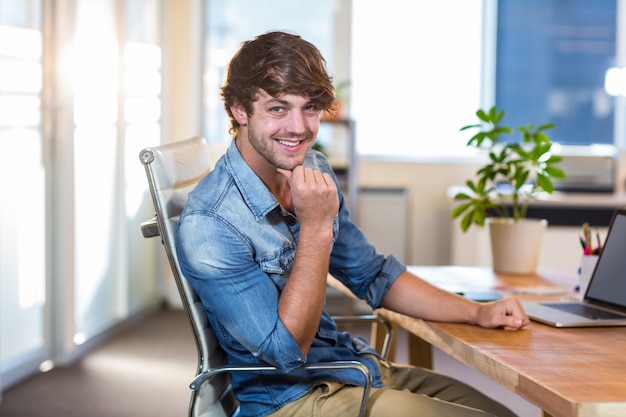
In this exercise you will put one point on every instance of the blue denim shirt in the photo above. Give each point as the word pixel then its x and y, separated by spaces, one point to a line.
pixel 237 247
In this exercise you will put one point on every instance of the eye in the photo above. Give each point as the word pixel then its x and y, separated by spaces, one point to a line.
pixel 277 109
pixel 311 108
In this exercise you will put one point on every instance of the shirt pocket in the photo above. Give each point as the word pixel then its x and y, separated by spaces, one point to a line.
pixel 279 262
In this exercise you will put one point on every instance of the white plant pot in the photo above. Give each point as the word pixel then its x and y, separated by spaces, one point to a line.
pixel 515 246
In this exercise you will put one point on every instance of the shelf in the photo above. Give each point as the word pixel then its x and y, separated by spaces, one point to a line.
pixel 345 167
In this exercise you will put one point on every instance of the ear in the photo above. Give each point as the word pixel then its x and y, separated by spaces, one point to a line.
pixel 239 113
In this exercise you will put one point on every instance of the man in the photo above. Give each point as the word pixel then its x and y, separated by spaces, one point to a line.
pixel 260 233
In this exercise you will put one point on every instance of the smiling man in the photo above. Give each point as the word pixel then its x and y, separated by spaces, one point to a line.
pixel 260 233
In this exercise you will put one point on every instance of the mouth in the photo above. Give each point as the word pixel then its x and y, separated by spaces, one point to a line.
pixel 290 144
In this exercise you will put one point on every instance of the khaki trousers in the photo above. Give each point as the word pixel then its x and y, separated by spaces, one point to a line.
pixel 407 392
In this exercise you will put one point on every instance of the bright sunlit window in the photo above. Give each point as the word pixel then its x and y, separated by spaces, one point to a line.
pixel 416 78
pixel 615 81
pixel 22 207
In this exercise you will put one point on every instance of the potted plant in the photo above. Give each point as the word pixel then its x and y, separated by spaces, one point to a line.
pixel 338 105
pixel 515 173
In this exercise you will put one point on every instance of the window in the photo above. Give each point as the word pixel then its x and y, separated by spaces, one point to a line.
pixel 416 76
pixel 423 69
pixel 552 58
pixel 23 171
pixel 113 110
pixel 422 72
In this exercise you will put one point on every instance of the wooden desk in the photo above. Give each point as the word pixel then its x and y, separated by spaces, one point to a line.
pixel 565 372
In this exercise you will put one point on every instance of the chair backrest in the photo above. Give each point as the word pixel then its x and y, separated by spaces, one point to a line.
pixel 173 170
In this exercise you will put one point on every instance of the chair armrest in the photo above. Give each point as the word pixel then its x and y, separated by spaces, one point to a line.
pixel 204 376
pixel 372 318
pixel 150 228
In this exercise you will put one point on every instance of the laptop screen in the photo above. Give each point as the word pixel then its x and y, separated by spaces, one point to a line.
pixel 608 283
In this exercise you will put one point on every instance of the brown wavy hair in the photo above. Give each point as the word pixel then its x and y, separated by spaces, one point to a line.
pixel 278 63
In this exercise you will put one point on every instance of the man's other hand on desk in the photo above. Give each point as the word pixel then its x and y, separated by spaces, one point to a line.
pixel 507 313
pixel 415 297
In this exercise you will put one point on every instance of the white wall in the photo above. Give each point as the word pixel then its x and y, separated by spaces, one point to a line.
pixel 429 224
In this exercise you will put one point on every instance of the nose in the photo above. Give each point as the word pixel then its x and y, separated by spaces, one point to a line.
pixel 296 124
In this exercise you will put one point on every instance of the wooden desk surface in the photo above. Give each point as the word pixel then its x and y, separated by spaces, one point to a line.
pixel 565 372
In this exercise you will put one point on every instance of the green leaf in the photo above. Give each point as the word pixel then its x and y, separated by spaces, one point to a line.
pixel 469 127
pixel 546 126
pixel 555 172
pixel 479 217
pixel 521 178
pixel 554 159
pixel 462 196
pixel 502 129
pixel 545 183
pixel 482 115
pixel 543 139
pixel 496 115
pixel 466 221
pixel 460 209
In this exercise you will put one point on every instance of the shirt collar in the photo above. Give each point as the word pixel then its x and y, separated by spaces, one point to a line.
pixel 254 192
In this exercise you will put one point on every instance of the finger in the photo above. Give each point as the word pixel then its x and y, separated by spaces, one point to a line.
pixel 515 317
pixel 299 173
pixel 309 175
pixel 314 177
pixel 513 323
pixel 320 178
pixel 285 172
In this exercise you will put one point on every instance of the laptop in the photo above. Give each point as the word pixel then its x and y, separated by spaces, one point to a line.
pixel 604 301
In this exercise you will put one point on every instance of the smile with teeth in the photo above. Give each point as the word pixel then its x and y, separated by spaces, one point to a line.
pixel 291 144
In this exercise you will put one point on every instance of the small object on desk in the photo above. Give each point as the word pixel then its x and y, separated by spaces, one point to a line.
pixel 587 241
pixel 536 290
pixel 587 234
pixel 481 296
pixel 587 265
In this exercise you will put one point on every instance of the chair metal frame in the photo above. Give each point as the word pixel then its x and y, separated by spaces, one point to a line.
pixel 173 170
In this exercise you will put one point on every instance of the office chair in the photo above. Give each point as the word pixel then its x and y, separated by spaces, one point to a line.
pixel 173 171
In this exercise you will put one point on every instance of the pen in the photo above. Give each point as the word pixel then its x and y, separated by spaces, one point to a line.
pixel 587 233
pixel 599 247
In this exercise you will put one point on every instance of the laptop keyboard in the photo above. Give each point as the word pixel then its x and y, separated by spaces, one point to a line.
pixel 587 311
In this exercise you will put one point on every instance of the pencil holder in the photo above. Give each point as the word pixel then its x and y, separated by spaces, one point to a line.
pixel 587 265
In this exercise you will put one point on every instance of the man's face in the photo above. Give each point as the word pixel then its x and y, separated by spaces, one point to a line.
pixel 282 129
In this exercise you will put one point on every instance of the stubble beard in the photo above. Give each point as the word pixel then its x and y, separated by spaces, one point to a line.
pixel 264 147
